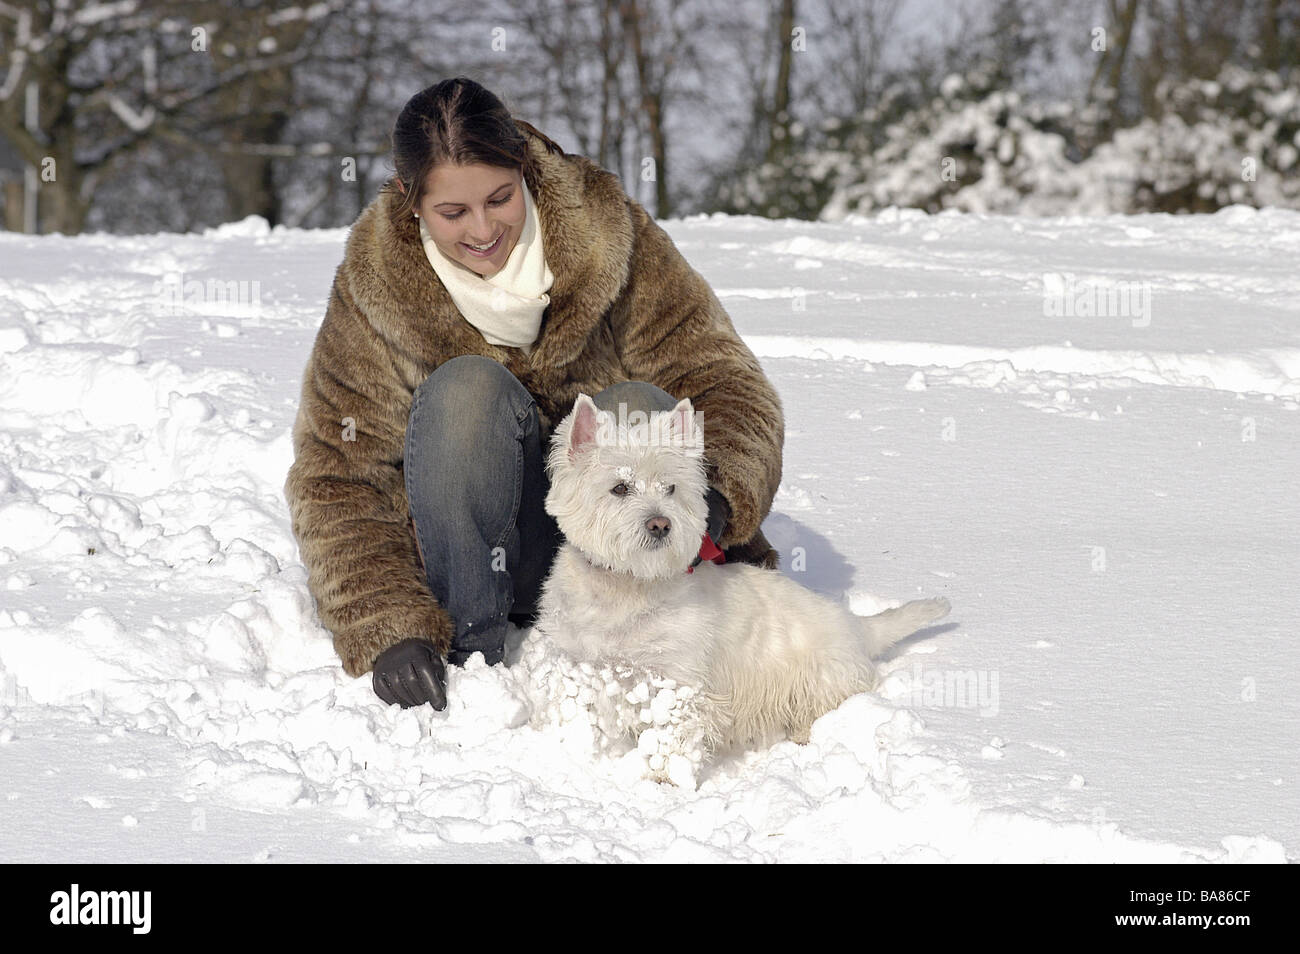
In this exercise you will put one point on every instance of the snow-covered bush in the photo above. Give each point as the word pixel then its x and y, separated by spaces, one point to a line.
pixel 975 148
pixel 972 148
pixel 795 186
pixel 1233 140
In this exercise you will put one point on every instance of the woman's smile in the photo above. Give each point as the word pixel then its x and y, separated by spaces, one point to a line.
pixel 484 251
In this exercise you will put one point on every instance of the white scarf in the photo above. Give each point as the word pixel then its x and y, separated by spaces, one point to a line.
pixel 506 308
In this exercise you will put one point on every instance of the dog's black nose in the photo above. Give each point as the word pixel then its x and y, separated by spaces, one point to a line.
pixel 658 526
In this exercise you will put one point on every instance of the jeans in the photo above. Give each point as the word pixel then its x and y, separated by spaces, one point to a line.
pixel 476 485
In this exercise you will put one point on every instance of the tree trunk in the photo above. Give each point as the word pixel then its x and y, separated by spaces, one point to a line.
pixel 1113 62
pixel 651 96
pixel 609 82
pixel 778 144
pixel 60 206
pixel 259 109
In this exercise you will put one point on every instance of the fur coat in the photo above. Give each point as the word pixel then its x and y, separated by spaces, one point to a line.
pixel 624 306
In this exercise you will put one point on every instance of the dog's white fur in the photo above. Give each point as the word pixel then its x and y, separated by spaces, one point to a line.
pixel 768 656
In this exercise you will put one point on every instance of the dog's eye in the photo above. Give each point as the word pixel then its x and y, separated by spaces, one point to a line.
pixel 620 489
pixel 669 491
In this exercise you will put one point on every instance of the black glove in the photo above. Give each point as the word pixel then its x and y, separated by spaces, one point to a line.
pixel 719 513
pixel 411 673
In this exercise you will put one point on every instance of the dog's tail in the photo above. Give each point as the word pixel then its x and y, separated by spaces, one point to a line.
pixel 885 629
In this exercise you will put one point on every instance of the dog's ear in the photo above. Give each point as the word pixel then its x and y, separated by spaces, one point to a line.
pixel 683 423
pixel 583 432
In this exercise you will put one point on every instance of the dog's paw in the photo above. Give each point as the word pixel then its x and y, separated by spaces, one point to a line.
pixel 563 694
pixel 665 759
pixel 671 733
pixel 620 712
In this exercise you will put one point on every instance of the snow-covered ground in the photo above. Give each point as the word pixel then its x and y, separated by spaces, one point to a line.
pixel 1108 499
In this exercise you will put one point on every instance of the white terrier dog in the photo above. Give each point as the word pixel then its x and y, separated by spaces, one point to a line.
pixel 756 653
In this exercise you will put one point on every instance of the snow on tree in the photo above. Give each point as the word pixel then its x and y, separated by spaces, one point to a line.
pixel 980 148
pixel 1231 140
pixel 973 147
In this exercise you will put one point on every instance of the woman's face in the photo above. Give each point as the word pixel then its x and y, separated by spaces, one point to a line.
pixel 474 205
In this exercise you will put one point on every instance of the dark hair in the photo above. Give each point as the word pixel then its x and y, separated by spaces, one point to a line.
pixel 460 122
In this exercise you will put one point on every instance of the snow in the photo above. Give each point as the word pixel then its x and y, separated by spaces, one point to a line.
pixel 1109 504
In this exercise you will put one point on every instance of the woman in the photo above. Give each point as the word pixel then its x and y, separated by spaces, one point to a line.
pixel 493 280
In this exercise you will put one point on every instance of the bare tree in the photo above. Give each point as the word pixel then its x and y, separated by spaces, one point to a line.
pixel 651 74
pixel 1179 39
pixel 855 39
pixel 1104 87
pixel 578 48
pixel 111 78
pixel 779 119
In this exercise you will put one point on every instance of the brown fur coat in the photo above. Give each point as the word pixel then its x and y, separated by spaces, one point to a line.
pixel 624 306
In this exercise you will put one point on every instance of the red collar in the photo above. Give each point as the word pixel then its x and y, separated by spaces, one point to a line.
pixel 708 551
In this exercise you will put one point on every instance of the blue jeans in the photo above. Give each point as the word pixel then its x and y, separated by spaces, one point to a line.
pixel 476 485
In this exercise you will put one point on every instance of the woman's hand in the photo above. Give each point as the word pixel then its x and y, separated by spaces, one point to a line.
pixel 411 673
pixel 719 513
